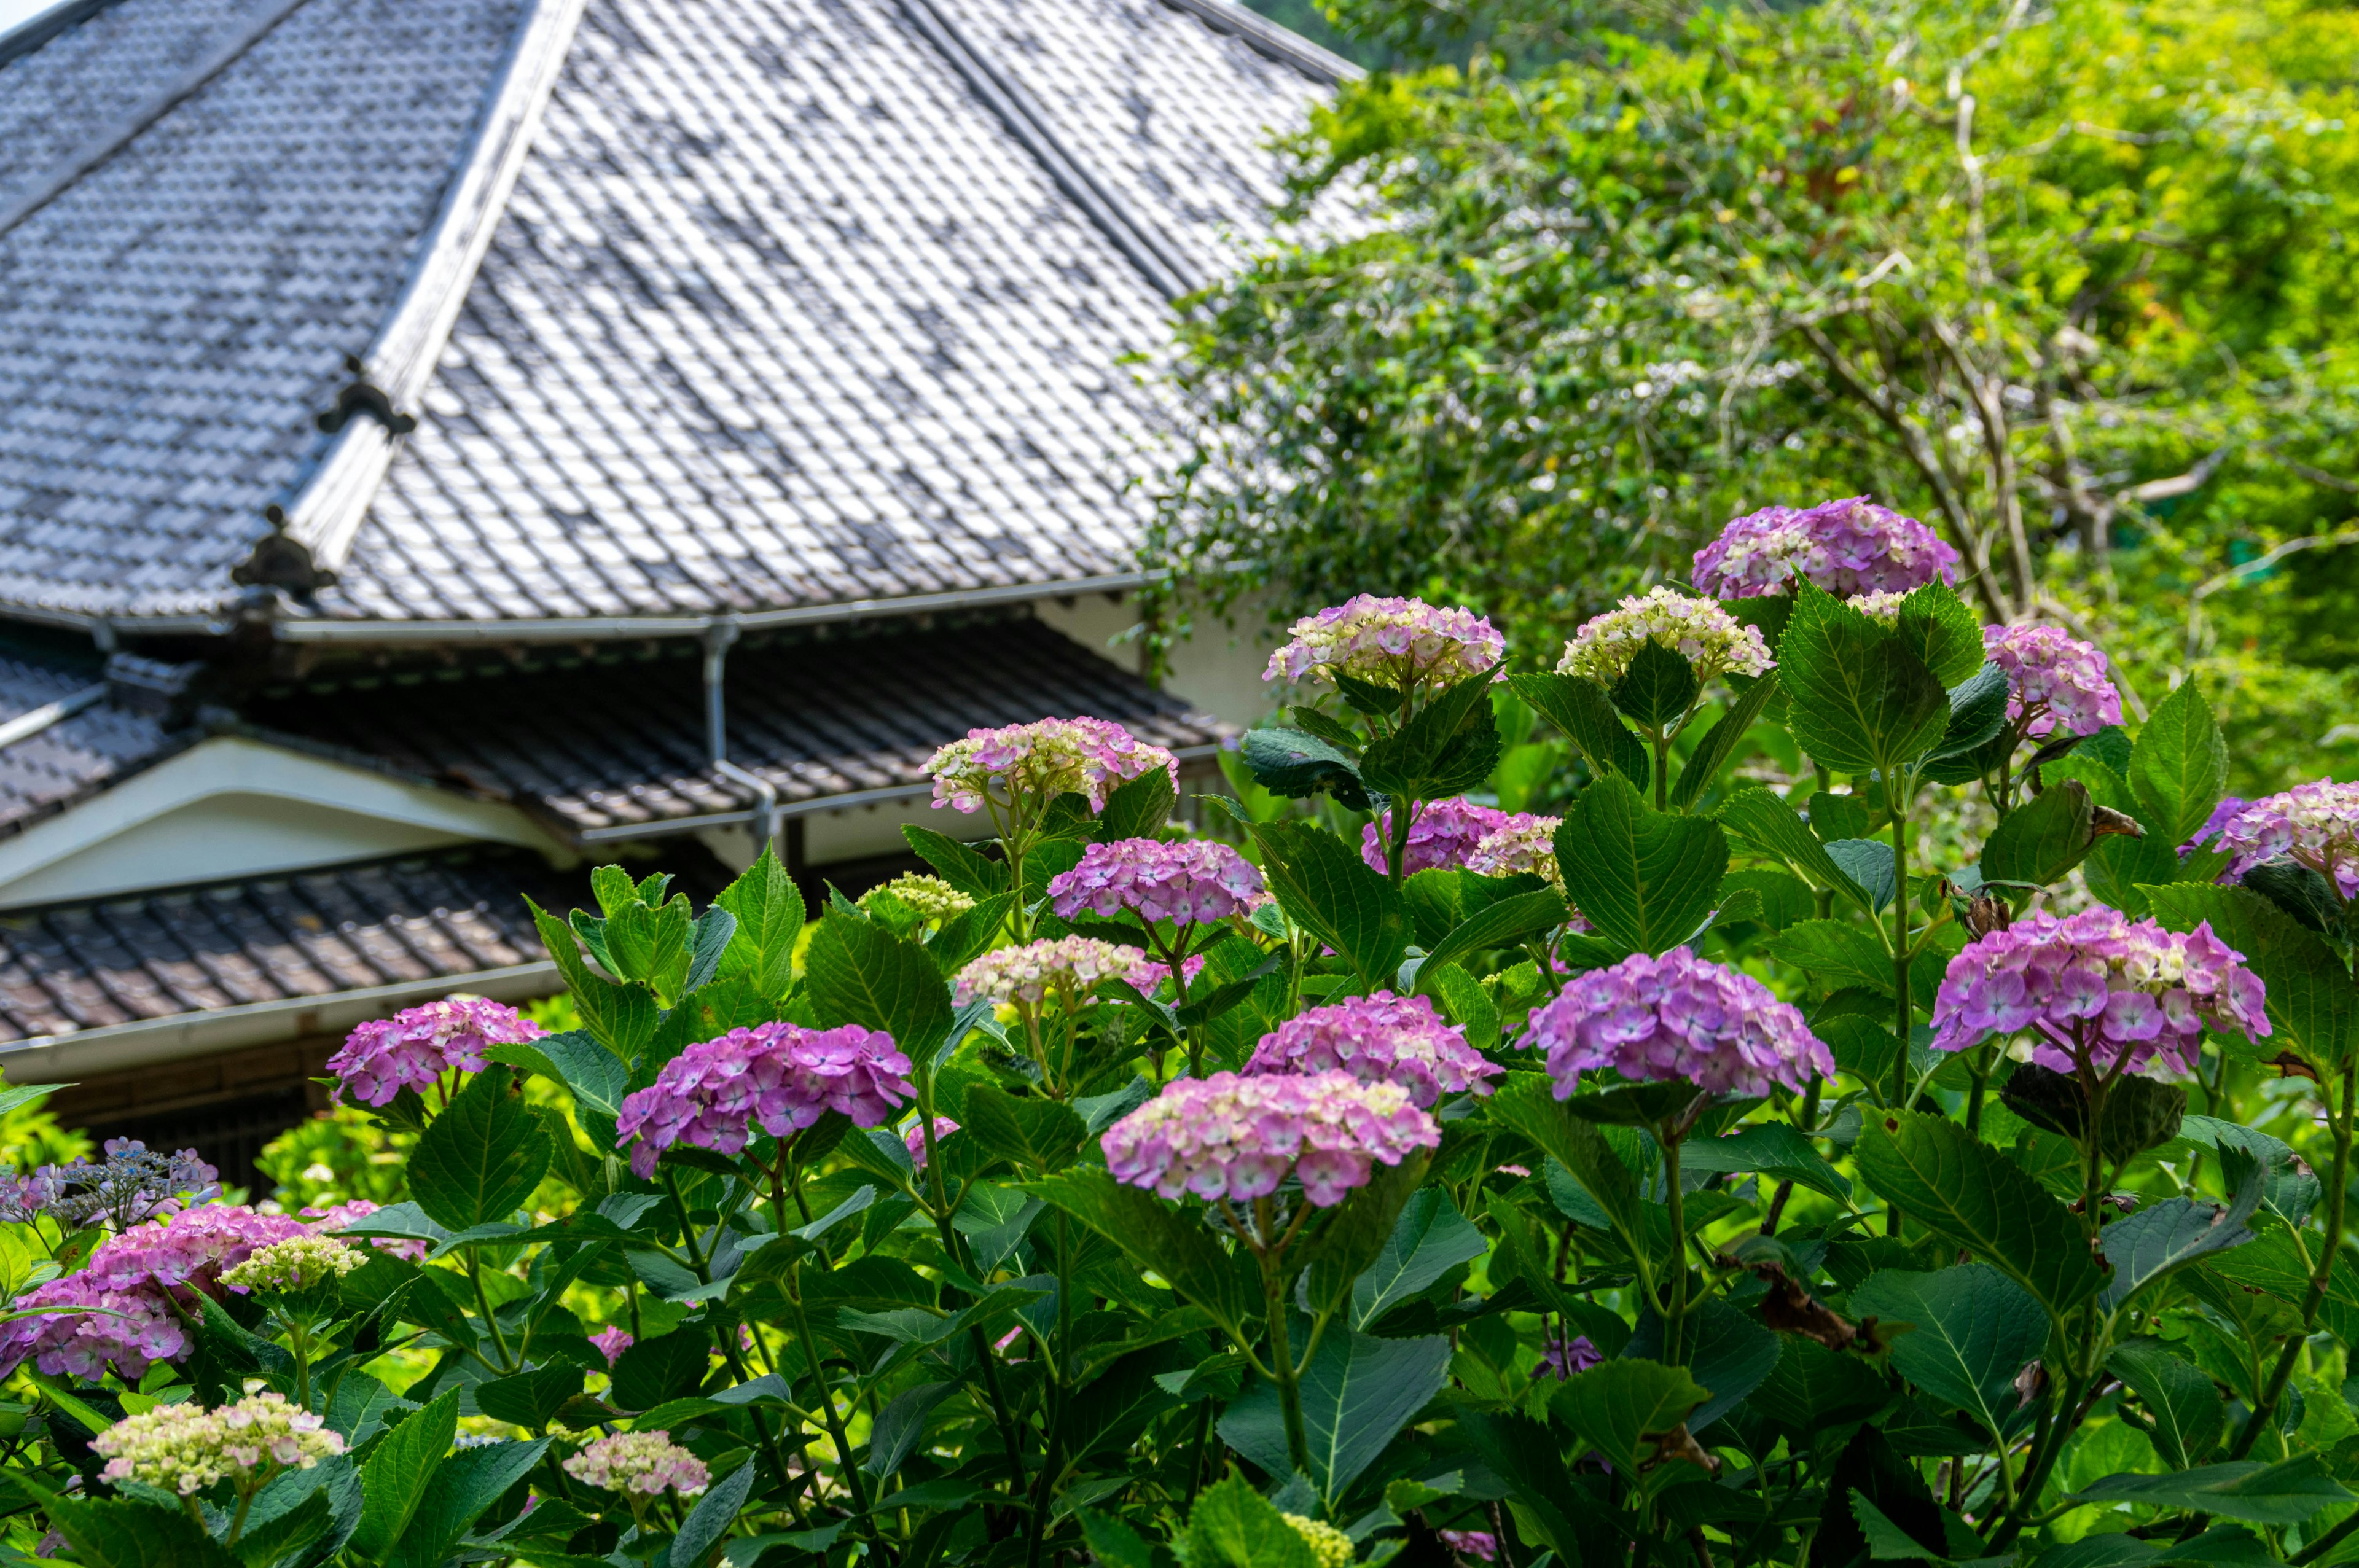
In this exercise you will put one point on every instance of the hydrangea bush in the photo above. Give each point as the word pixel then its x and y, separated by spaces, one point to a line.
pixel 1712 1174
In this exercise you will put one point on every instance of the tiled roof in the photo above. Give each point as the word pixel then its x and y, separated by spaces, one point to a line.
pixel 170 323
pixel 781 311
pixel 87 966
pixel 76 756
pixel 604 748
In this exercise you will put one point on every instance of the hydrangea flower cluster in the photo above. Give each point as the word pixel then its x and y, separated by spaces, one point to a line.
pixel 1401 644
pixel 1440 836
pixel 1480 1545
pixel 2102 982
pixel 183 1449
pixel 640 1464
pixel 1231 1137
pixel 1380 1038
pixel 1330 1547
pixel 416 1047
pixel 1677 1016
pixel 1847 547
pixel 1078 964
pixel 1563 1357
pixel 1524 845
pixel 189 1251
pixel 611 1341
pixel 2230 806
pixel 1883 608
pixel 329 1221
pixel 297 1263
pixel 780 1075
pixel 1042 759
pixel 132 1184
pixel 1707 636
pixel 915 1139
pixel 1197 881
pixel 1153 973
pixel 2052 679
pixel 928 898
pixel 2314 824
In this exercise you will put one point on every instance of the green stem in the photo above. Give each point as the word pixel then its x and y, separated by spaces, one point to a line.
pixel 1675 1308
pixel 1662 740
pixel 1906 1014
pixel 1281 1361
pixel 952 1245
pixel 483 1300
pixel 1397 841
pixel 2329 1541
pixel 2321 1276
pixel 237 1525
pixel 300 1343
pixel 1061 1386
pixel 827 1397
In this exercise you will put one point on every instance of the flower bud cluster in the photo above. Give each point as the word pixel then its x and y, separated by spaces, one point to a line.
pixel 297 1263
pixel 1238 1138
pixel 1698 629
pixel 1398 644
pixel 928 898
pixel 1380 1038
pixel 780 1075
pixel 640 1463
pixel 1075 964
pixel 2098 983
pixel 2313 824
pixel 1847 547
pixel 184 1449
pixel 1196 882
pixel 416 1045
pixel 1440 836
pixel 1036 762
pixel 1330 1547
pixel 1677 1016
pixel 2052 680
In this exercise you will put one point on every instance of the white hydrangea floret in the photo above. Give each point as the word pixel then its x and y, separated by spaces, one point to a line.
pixel 183 1449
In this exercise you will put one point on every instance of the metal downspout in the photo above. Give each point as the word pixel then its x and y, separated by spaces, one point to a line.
pixel 718 637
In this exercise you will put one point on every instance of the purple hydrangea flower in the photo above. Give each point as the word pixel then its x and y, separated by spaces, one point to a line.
pixel 1195 882
pixel 1440 835
pixel 1480 1545
pixel 2052 679
pixel 639 1465
pixel 1231 1137
pixel 1038 761
pixel 2099 983
pixel 780 1075
pixel 1149 977
pixel 2230 806
pixel 1847 547
pixel 1677 1016
pixel 1562 1357
pixel 1401 644
pixel 2314 824
pixel 132 1184
pixel 1381 1038
pixel 416 1045
pixel 916 1138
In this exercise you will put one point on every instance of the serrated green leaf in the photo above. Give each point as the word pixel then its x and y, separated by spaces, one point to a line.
pixel 2187 1415
pixel 1773 827
pixel 1584 710
pixel 1357 1394
pixel 2179 767
pixel 856 972
pixel 973 873
pixel 710 1519
pixel 1232 1526
pixel 1525 1105
pixel 1974 1331
pixel 1330 891
pixel 1720 741
pixel 1428 1239
pixel 2043 839
pixel 1036 1135
pixel 1642 878
pixel 1500 924
pixel 768 910
pixel 2279 1494
pixel 1153 1236
pixel 482 1157
pixel 1943 632
pixel 462 1488
pixel 1658 688
pixel 395 1479
pixel 1945 1179
pixel 1139 809
pixel 1835 953
pixel 1449 746
pixel 1862 701
pixel 1296 765
pixel 1622 1407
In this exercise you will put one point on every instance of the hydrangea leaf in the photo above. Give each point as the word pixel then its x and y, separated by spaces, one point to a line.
pixel 1720 743
pixel 1942 630
pixel 1449 746
pixel 482 1157
pixel 1862 701
pixel 768 912
pixel 1624 1407
pixel 1584 710
pixel 394 1479
pixel 1331 892
pixel 1657 688
pixel 1644 878
pixel 1774 828
pixel 1973 1331
pixel 2281 1494
pixel 2187 1415
pixel 462 1488
pixel 1943 1177
pixel 710 1519
pixel 857 972
pixel 2041 840
pixel 1232 1526
pixel 1726 1351
pixel 1510 920
pixel 1036 1135
pixel 1428 1239
pixel 1156 1236
pixel 1837 953
pixel 2179 766
pixel 1357 1394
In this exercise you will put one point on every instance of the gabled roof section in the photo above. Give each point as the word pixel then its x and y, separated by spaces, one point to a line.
pixel 171 320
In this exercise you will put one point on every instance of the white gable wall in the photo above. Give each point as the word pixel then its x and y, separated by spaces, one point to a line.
pixel 230 807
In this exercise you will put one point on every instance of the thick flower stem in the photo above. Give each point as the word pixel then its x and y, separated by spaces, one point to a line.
pixel 1281 1360
pixel 2321 1276
pixel 827 1399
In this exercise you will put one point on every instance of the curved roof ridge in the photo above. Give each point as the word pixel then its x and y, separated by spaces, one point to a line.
pixel 315 529
pixel 1278 41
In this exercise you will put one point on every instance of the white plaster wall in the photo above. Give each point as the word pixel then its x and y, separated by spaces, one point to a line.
pixel 1217 668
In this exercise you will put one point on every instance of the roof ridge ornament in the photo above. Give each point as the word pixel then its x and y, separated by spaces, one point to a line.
pixel 361 395
pixel 281 560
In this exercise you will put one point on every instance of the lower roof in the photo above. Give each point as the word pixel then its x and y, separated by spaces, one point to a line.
pixel 617 749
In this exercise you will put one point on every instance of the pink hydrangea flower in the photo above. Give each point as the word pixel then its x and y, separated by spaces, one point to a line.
pixel 1192 883
pixel 1039 760
pixel 1847 547
pixel 2314 824
pixel 1381 1038
pixel 1401 644
pixel 1153 974
pixel 416 1045
pixel 781 1075
pixel 188 1250
pixel 611 1341
pixel 1440 835
pixel 2052 679
pixel 1231 1137
pixel 1524 845
pixel 2102 983
pixel 1677 1016
pixel 641 1463
pixel 1478 1544
pixel 329 1221
pixel 916 1138
pixel 1074 964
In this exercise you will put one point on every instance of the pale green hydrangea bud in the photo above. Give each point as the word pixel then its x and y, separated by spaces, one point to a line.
pixel 297 1263
pixel 1330 1547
